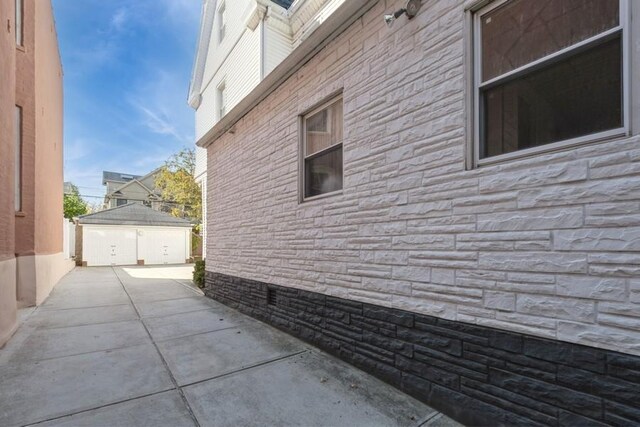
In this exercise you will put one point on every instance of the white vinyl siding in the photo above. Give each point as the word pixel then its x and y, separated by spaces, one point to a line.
pixel 235 30
pixel 277 47
pixel 201 162
pixel 240 72
pixel 203 229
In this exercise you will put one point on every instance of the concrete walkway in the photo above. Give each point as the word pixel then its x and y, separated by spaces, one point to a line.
pixel 140 347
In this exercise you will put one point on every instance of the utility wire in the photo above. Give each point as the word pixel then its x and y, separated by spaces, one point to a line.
pixel 133 200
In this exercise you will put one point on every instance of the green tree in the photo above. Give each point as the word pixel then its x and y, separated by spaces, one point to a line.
pixel 73 205
pixel 177 184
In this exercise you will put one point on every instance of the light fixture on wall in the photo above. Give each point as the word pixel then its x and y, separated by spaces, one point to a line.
pixel 411 10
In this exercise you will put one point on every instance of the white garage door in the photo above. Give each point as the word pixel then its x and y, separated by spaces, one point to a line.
pixel 164 246
pixel 109 246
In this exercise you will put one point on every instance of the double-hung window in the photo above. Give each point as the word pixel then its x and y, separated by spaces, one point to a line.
pixel 221 91
pixel 18 160
pixel 222 21
pixel 19 22
pixel 548 74
pixel 322 134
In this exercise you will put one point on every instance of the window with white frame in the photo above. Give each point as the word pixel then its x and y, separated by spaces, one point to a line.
pixel 222 99
pixel 322 134
pixel 18 159
pixel 19 22
pixel 548 74
pixel 222 21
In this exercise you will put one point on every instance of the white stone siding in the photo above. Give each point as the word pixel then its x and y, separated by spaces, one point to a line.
pixel 548 245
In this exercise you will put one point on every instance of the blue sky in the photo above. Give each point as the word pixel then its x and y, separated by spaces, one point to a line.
pixel 127 66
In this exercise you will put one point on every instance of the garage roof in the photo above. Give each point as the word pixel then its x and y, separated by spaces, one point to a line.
pixel 133 214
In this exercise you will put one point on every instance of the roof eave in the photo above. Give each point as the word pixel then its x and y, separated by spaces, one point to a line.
pixel 206 26
pixel 139 224
pixel 335 24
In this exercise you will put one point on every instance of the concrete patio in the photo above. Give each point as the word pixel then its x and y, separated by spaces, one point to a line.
pixel 140 346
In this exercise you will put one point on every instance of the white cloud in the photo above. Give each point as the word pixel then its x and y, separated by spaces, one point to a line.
pixel 119 19
pixel 153 160
pixel 157 122
pixel 81 61
pixel 181 11
pixel 76 149
pixel 159 98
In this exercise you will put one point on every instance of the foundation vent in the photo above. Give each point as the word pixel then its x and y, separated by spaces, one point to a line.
pixel 272 297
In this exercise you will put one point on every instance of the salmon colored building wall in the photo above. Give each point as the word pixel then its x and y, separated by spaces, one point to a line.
pixel 48 159
pixel 49 263
pixel 25 98
pixel 7 214
pixel 31 240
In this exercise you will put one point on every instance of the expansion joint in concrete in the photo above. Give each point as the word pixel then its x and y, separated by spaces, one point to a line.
pixel 164 362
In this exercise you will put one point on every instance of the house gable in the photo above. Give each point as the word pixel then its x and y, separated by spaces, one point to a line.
pixel 133 191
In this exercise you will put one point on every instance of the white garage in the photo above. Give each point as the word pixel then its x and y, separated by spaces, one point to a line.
pixel 133 234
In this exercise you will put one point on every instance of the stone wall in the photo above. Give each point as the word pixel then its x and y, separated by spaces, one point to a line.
pixel 547 246
pixel 480 376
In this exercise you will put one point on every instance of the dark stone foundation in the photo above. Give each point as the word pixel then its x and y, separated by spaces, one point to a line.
pixel 474 374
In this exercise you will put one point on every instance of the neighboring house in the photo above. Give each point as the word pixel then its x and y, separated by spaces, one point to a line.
pixel 31 234
pixel 67 187
pixel 124 188
pixel 240 43
pixel 132 234
pixel 451 203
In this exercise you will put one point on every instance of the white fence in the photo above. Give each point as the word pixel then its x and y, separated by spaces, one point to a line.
pixel 68 239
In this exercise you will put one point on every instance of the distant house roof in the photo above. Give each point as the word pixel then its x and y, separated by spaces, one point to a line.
pixel 117 177
pixel 284 3
pixel 133 214
pixel 136 179
pixel 67 187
